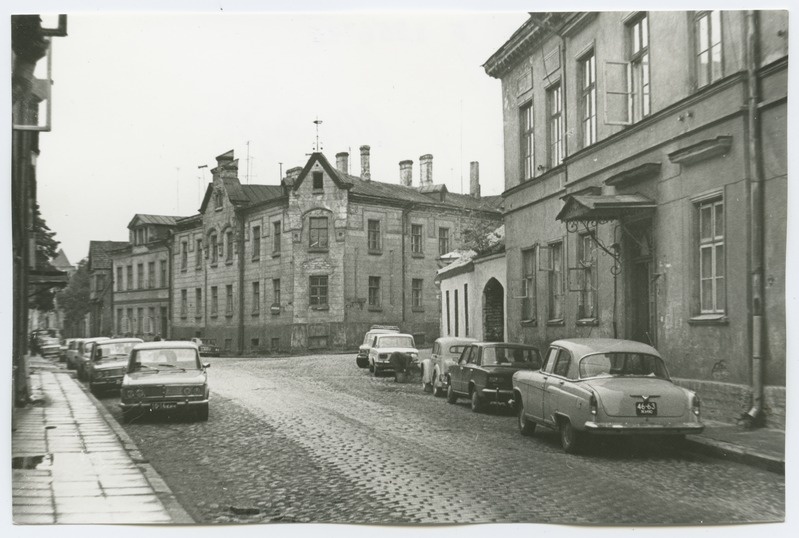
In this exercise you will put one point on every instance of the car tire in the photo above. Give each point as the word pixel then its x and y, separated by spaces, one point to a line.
pixel 371 368
pixel 361 362
pixel 451 396
pixel 476 402
pixel 437 390
pixel 526 427
pixel 202 413
pixel 570 438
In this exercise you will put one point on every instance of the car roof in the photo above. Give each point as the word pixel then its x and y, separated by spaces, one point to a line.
pixel 95 339
pixel 165 344
pixel 586 346
pixel 396 334
pixel 504 344
pixel 454 340
pixel 121 341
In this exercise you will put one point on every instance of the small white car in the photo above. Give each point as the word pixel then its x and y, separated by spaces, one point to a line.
pixel 446 352
pixel 384 345
pixel 362 358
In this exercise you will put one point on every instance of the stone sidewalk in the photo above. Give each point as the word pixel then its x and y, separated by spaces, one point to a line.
pixel 759 447
pixel 73 463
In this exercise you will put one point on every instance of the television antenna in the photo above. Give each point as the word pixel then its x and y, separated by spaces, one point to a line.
pixel 317 147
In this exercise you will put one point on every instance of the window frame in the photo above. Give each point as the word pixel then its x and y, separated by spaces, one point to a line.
pixel 638 49
pixel 417 293
pixel 214 301
pixel 229 307
pixel 554 283
pixel 318 291
pixel 313 227
pixel 588 97
pixel 184 303
pixel 318 180
pixel 374 292
pixel 277 231
pixel 229 246
pixel 417 239
pixel 255 237
pixel 527 141
pixel 374 242
pixel 589 294
pixel 443 241
pixel 529 305
pixel 709 77
pixel 198 299
pixel 556 135
pixel 256 298
pixel 713 243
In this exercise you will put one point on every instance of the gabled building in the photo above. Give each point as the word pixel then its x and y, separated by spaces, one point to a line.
pixel 645 191
pixel 313 262
pixel 101 300
pixel 142 277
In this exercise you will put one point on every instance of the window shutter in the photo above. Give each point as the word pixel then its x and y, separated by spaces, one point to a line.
pixel 577 279
pixel 544 258
pixel 618 93
pixel 518 288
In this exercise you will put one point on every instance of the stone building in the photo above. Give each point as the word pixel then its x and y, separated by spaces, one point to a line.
pixel 101 296
pixel 313 262
pixel 645 191
pixel 142 277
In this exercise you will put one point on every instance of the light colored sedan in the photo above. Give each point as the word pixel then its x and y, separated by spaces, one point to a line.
pixel 599 386
pixel 446 352
pixel 384 345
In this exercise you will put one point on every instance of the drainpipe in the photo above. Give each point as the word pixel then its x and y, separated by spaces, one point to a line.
pixel 754 416
pixel 241 283
pixel 404 265
pixel 169 309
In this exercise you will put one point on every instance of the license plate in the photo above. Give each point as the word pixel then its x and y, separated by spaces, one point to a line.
pixel 646 409
pixel 118 382
pixel 165 405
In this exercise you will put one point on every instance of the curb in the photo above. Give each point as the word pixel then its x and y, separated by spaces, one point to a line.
pixel 736 453
pixel 178 514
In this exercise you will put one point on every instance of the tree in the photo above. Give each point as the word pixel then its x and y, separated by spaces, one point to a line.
pixel 41 298
pixel 481 236
pixel 74 299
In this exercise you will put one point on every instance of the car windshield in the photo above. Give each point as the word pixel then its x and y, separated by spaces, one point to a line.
pixel 159 359
pixel 455 351
pixel 395 341
pixel 622 364
pixel 499 355
pixel 115 350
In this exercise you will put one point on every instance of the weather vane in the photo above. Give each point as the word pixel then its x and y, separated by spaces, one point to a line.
pixel 318 122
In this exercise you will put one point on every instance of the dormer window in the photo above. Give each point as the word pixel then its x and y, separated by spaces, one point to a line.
pixel 318 184
pixel 140 236
pixel 217 200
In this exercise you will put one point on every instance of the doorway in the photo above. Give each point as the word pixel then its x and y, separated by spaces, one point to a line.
pixel 493 311
pixel 641 286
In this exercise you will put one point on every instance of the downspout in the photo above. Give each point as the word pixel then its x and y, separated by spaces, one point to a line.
pixel 754 417
pixel 168 335
pixel 404 265
pixel 241 283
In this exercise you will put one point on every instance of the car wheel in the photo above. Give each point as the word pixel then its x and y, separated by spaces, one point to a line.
pixel 375 371
pixel 371 368
pixel 570 438
pixel 477 402
pixel 451 396
pixel 361 362
pixel 526 427
pixel 202 413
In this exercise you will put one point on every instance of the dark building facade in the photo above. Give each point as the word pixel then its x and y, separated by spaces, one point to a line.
pixel 101 296
pixel 645 191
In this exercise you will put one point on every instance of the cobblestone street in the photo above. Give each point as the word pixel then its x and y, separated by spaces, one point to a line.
pixel 316 439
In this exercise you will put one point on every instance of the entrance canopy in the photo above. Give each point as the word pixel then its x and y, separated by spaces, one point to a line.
pixel 604 207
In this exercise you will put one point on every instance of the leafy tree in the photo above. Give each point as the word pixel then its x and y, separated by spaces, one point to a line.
pixel 74 299
pixel 481 236
pixel 46 249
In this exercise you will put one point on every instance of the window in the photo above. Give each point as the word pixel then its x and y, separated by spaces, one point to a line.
pixel 638 35
pixel 139 320
pixel 130 277
pixel 278 229
pixel 139 276
pixel 457 310
pixel 214 249
pixel 119 321
pixel 164 274
pixel 448 317
pixel 586 257
pixel 214 300
pixel 555 125
pixel 274 343
pixel 228 344
pixel 588 98
pixel 184 255
pixel 374 291
pixel 317 232
pixel 198 254
pixel 466 310
pixel 229 246
pixel 129 321
pixel 317 336
pixel 443 241
pixel 184 300
pixel 709 67
pixel 373 235
pixel 217 200
pixel 151 319
pixel 163 321
pixel 318 295
pixel 255 343
pixel 712 297
pixel 528 285
pixel 256 297
pixel 527 144
pixel 198 302
pixel 256 242
pixel 229 300
pixel 555 306
pixel 276 291
pixel 119 286
pixel 150 274
pixel 416 238
pixel 416 293
pixel 318 184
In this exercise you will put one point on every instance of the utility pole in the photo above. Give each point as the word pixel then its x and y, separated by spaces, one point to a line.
pixel 248 163
pixel 177 190
pixel 200 184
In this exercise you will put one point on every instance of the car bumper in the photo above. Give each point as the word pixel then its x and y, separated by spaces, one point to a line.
pixel 631 428
pixel 108 382
pixel 51 353
pixel 171 405
pixel 497 395
pixel 386 364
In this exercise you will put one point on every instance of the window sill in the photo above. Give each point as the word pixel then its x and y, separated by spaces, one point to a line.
pixel 229 315
pixel 214 316
pixel 198 317
pixel 374 252
pixel 183 270
pixel 528 323
pixel 184 316
pixel 228 262
pixel 709 319
pixel 556 323
pixel 218 208
pixel 318 249
pixel 317 191
pixel 375 309
pixel 276 254
pixel 198 268
pixel 320 307
pixel 417 309
pixel 214 265
pixel 256 314
pixel 417 254
pixel 585 322
pixel 256 258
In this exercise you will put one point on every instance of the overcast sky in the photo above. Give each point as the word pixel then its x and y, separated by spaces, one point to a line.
pixel 141 100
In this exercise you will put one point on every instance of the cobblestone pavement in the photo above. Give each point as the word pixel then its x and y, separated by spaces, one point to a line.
pixel 316 439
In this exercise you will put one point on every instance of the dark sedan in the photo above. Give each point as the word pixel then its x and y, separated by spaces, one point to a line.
pixel 485 370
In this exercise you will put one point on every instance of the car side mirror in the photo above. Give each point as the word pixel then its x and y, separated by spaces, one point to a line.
pixel 206 365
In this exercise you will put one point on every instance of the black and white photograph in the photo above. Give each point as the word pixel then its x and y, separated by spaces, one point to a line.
pixel 351 268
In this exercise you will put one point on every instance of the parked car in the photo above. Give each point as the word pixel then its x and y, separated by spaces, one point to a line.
pixel 446 352
pixel 108 363
pixel 603 386
pixel 72 353
pixel 208 348
pixel 362 358
pixel 165 377
pixel 383 345
pixel 84 355
pixel 64 349
pixel 49 347
pixel 484 370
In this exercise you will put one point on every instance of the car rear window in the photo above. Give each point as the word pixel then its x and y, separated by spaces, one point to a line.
pixel 166 358
pixel 622 364
pixel 510 355
pixel 456 350
pixel 115 350
pixel 395 341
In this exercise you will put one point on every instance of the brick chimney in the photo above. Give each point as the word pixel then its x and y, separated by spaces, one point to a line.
pixel 426 170
pixel 474 179
pixel 292 174
pixel 226 166
pixel 366 175
pixel 406 172
pixel 343 162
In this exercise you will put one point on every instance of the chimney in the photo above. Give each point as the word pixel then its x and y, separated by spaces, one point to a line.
pixel 225 164
pixel 343 162
pixel 406 172
pixel 365 174
pixel 426 170
pixel 474 179
pixel 292 174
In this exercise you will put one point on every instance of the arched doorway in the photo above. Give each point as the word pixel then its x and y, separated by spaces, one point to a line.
pixel 493 311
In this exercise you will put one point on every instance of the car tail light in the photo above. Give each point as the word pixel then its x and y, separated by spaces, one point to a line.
pixel 130 393
pixel 382 356
pixel 593 404
pixel 139 393
pixel 695 406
